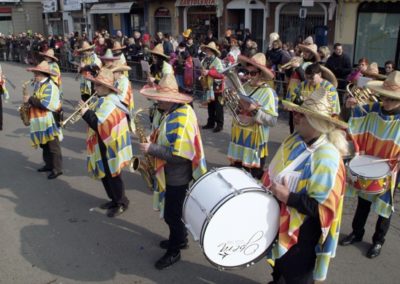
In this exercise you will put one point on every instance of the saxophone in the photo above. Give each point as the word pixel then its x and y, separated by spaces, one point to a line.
pixel 145 165
pixel 24 109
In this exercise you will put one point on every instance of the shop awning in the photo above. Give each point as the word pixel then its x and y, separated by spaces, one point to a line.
pixel 196 3
pixel 111 8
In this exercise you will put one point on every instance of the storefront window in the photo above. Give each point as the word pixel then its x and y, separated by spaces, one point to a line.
pixel 377 32
pixel 201 19
pixel 162 20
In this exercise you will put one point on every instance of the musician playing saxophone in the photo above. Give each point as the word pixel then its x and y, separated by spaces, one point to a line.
pixel 248 145
pixel 45 130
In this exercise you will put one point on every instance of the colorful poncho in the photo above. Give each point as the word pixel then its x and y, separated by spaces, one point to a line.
pixel 249 144
pixel 305 89
pixel 126 95
pixel 43 127
pixel 56 69
pixel 86 85
pixel 322 177
pixel 122 61
pixel 217 65
pixel 114 132
pixel 378 135
pixel 178 130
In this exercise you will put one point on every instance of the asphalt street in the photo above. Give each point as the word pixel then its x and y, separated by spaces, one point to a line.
pixel 53 232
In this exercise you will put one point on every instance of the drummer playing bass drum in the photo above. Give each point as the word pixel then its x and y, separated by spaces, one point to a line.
pixel 375 132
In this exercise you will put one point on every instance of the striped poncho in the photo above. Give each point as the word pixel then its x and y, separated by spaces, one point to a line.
pixel 86 85
pixel 322 177
pixel 249 144
pixel 178 130
pixel 378 135
pixel 126 95
pixel 113 130
pixel 43 127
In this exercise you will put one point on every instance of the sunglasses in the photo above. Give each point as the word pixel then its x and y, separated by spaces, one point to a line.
pixel 253 73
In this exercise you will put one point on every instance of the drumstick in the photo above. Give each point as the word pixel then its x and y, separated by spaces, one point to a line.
pixel 376 161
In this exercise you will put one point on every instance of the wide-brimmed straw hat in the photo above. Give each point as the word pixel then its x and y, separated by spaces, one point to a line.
pixel 211 46
pixel 313 48
pixel 318 106
pixel 159 50
pixel 167 90
pixel 329 76
pixel 259 61
pixel 187 33
pixel 388 88
pixel 372 71
pixel 105 78
pixel 49 53
pixel 117 46
pixel 308 40
pixel 119 67
pixel 85 47
pixel 109 55
pixel 42 67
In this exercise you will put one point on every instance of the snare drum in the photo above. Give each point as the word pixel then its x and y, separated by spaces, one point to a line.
pixel 368 174
pixel 233 217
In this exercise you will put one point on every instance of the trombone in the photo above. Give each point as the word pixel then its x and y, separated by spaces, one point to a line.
pixel 76 115
pixel 363 96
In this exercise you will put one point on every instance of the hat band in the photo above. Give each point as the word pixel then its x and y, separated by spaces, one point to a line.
pixel 166 90
pixel 391 86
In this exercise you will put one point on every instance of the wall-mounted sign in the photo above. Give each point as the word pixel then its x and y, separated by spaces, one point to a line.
pixel 72 5
pixel 49 6
pixel 162 12
pixel 196 3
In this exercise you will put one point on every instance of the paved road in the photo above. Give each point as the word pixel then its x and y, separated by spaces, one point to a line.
pixel 52 231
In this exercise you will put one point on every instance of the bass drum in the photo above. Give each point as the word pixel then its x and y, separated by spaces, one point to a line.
pixel 235 219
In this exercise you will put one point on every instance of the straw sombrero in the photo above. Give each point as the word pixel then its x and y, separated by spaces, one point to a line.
pixel 308 41
pixel 119 67
pixel 117 46
pixel 258 60
pixel 313 48
pixel 316 105
pixel 49 53
pixel 211 46
pixel 85 47
pixel 329 76
pixel 388 88
pixel 167 90
pixel 372 71
pixel 159 50
pixel 109 56
pixel 105 78
pixel 187 33
pixel 42 67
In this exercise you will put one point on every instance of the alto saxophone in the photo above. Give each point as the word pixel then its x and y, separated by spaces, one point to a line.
pixel 145 165
pixel 24 109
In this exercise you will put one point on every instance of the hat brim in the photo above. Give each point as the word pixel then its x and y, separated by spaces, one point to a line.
pixel 49 56
pixel 121 69
pixel 296 108
pixel 159 53
pixel 268 73
pixel 216 51
pixel 86 49
pixel 118 48
pixel 153 94
pixel 109 58
pixel 374 76
pixel 329 76
pixel 307 48
pixel 95 80
pixel 377 86
pixel 35 69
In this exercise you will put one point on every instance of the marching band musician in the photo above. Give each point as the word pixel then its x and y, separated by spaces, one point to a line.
pixel 117 51
pixel 122 83
pixel 248 147
pixel 108 141
pixel 307 175
pixel 90 65
pixel 52 61
pixel 3 95
pixel 212 66
pixel 375 133
pixel 45 130
pixel 179 157
pixel 108 59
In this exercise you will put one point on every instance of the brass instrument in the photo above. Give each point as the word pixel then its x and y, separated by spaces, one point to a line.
pixel 76 115
pixel 363 96
pixel 144 165
pixel 204 81
pixel 24 109
pixel 231 97
pixel 291 61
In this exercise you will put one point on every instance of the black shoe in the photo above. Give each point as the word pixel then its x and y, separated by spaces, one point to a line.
pixel 165 243
pixel 116 211
pixel 167 260
pixel 54 175
pixel 374 250
pixel 44 169
pixel 217 129
pixel 208 126
pixel 107 205
pixel 350 239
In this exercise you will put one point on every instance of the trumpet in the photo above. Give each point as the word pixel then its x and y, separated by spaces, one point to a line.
pixel 76 115
pixel 363 96
pixel 291 61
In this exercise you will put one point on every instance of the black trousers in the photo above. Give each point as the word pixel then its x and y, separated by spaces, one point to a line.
pixel 52 156
pixel 174 198
pixel 255 172
pixel 215 113
pixel 360 218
